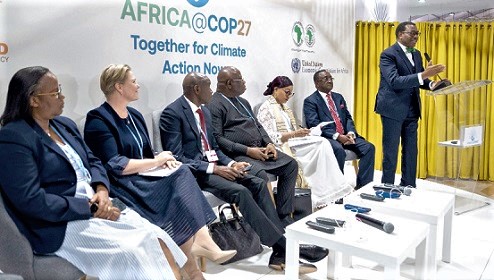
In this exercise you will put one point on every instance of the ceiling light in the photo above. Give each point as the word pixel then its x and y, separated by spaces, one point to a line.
pixel 421 1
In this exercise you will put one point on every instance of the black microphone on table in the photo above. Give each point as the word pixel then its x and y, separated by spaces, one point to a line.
pixel 393 188
pixel 386 227
pixel 442 83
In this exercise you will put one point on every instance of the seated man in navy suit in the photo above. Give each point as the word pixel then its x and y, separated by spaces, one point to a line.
pixel 327 106
pixel 186 130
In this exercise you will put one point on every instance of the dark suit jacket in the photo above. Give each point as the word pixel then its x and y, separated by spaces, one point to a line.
pixel 104 133
pixel 38 182
pixel 399 85
pixel 180 135
pixel 235 131
pixel 316 111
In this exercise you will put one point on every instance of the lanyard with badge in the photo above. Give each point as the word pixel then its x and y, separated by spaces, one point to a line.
pixel 210 153
pixel 140 143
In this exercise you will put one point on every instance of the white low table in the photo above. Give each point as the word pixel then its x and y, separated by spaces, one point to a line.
pixel 360 240
pixel 422 205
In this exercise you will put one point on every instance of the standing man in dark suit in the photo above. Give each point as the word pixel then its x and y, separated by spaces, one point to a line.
pixel 186 131
pixel 240 135
pixel 324 105
pixel 398 102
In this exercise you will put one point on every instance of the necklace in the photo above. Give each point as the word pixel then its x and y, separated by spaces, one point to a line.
pixel 47 131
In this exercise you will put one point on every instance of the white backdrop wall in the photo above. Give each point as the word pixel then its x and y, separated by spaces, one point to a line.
pixel 76 39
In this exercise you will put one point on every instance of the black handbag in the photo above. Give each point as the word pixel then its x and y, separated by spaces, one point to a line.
pixel 235 234
pixel 302 204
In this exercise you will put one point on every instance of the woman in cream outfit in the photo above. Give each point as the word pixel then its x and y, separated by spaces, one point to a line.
pixel 318 166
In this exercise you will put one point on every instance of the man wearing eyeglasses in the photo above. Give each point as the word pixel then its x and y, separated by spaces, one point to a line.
pixel 398 102
pixel 328 110
pixel 242 137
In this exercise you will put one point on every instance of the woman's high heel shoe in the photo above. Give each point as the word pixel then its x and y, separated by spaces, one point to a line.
pixel 217 257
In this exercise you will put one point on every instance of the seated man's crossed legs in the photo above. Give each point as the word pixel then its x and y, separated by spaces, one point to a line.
pixel 285 168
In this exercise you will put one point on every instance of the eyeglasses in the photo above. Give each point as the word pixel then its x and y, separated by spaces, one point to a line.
pixel 289 93
pixel 56 94
pixel 412 33
pixel 233 80
pixel 326 78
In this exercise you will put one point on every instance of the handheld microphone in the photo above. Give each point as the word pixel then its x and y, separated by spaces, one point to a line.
pixel 442 83
pixel 428 58
pixel 393 188
pixel 386 227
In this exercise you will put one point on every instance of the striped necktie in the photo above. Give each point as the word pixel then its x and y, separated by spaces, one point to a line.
pixel 334 114
pixel 203 132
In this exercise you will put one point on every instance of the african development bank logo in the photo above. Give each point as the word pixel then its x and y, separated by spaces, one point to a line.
pixel 301 34
pixel 310 38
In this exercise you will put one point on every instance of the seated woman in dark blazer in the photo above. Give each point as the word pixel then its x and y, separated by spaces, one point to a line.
pixel 56 191
pixel 118 135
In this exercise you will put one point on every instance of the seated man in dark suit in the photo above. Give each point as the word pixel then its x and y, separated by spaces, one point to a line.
pixel 242 137
pixel 186 131
pixel 327 106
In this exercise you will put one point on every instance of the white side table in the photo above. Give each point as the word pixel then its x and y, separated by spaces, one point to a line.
pixel 362 241
pixel 422 205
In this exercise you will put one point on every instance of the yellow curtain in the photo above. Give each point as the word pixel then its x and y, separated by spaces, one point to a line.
pixel 467 50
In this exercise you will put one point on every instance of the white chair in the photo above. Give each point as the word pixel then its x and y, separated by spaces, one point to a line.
pixel 80 125
pixel 352 156
pixel 156 131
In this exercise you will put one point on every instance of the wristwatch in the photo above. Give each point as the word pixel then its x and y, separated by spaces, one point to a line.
pixel 94 208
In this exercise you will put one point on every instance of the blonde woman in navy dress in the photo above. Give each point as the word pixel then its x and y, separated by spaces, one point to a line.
pixel 49 179
pixel 118 135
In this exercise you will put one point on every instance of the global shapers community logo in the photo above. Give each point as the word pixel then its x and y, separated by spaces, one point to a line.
pixel 301 34
pixel 4 49
pixel 198 3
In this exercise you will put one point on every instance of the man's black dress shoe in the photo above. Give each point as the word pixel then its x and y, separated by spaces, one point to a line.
pixel 277 262
pixel 312 253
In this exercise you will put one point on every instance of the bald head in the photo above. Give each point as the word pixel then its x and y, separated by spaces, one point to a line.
pixel 197 88
pixel 230 82
pixel 226 73
pixel 192 79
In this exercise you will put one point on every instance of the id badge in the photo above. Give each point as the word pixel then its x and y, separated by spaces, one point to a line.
pixel 211 155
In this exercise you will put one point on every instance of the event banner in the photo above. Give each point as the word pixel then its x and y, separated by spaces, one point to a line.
pixel 163 40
